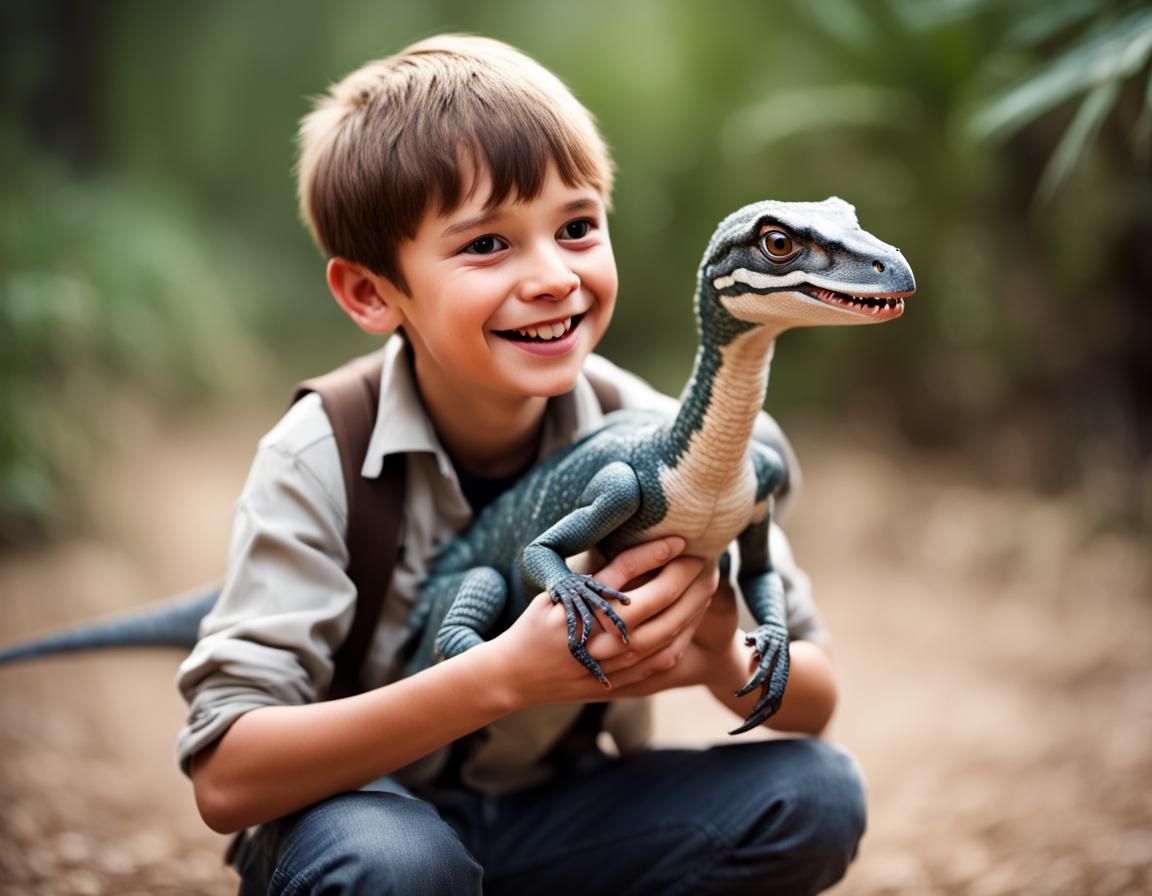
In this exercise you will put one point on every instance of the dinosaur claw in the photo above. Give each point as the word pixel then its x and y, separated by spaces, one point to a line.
pixel 592 666
pixel 604 591
pixel 577 593
pixel 770 653
pixel 749 723
pixel 603 607
pixel 764 709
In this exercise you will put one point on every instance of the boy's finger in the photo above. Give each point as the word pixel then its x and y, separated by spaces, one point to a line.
pixel 638 560
pixel 654 622
pixel 653 599
pixel 659 628
pixel 662 662
pixel 663 590
pixel 672 634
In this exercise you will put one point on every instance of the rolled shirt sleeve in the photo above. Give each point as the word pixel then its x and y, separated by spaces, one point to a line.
pixel 287 603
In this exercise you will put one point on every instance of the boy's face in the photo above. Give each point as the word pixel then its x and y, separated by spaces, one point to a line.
pixel 510 300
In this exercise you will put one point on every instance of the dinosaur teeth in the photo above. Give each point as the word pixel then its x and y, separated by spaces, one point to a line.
pixel 869 304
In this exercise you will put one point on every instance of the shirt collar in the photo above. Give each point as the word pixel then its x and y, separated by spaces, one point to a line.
pixel 403 427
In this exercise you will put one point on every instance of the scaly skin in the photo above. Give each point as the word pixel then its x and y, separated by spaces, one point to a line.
pixel 769 267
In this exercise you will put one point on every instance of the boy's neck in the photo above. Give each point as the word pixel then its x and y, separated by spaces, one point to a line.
pixel 495 437
pixel 501 450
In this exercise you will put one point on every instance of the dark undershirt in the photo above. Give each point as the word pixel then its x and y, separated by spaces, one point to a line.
pixel 480 491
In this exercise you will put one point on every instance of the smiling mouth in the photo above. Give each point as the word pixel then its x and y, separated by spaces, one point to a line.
pixel 889 305
pixel 541 333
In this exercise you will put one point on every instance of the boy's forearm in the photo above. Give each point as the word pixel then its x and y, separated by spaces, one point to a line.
pixel 809 699
pixel 275 760
pixel 278 759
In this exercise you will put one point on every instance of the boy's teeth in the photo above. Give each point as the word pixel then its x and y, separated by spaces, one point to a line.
pixel 547 331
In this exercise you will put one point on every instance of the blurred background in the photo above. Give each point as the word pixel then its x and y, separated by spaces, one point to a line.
pixel 978 494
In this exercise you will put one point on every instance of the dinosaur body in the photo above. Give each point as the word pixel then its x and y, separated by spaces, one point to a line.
pixel 609 491
pixel 769 267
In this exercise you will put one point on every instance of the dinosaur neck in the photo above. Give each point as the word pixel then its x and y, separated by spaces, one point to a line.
pixel 718 409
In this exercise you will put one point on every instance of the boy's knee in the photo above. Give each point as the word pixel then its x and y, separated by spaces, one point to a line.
pixel 375 843
pixel 823 820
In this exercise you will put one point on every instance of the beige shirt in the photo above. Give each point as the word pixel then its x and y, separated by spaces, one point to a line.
pixel 287 602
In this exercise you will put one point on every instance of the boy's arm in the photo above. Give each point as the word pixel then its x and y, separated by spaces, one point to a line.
pixel 809 698
pixel 718 657
pixel 726 662
pixel 274 760
pixel 811 694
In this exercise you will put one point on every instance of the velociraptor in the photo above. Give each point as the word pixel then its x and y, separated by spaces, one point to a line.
pixel 769 267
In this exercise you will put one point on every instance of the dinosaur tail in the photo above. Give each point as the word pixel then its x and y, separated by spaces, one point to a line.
pixel 172 623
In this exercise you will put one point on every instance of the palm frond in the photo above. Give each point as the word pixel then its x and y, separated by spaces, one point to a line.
pixel 1091 114
pixel 844 22
pixel 1115 50
pixel 1048 18
pixel 1142 132
pixel 792 113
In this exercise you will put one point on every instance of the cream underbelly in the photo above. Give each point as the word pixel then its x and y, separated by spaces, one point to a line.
pixel 709 521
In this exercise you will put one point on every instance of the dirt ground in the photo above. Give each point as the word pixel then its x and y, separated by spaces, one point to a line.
pixel 995 655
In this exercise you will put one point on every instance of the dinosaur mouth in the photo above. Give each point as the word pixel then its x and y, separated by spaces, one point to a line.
pixel 543 333
pixel 873 306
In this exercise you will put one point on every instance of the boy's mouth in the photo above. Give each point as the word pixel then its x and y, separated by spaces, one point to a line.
pixel 547 332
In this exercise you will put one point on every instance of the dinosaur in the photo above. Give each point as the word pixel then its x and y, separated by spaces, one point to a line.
pixel 769 267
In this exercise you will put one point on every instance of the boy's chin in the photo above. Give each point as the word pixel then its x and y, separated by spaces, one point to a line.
pixel 552 378
pixel 553 386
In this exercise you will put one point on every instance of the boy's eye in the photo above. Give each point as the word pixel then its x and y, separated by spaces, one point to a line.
pixel 485 245
pixel 576 230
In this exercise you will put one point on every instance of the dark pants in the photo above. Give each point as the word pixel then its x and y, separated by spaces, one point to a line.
pixel 765 817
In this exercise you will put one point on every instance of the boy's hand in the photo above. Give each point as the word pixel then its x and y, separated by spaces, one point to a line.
pixel 666 610
pixel 713 648
pixel 719 625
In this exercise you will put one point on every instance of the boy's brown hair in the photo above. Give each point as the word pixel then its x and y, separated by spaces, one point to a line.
pixel 403 133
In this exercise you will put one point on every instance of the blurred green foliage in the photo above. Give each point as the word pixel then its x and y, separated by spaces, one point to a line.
pixel 150 248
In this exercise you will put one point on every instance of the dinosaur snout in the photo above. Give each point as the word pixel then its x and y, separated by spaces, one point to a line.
pixel 896 272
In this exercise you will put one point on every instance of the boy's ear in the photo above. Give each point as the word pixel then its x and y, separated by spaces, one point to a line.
pixel 369 299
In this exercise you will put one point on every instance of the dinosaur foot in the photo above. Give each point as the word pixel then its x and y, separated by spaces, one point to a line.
pixel 580 594
pixel 770 652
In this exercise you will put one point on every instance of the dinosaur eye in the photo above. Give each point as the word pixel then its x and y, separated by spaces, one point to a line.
pixel 778 246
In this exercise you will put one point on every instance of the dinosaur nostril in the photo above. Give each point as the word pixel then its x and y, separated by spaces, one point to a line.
pixel 879 265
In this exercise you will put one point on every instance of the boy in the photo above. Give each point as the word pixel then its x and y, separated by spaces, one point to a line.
pixel 460 192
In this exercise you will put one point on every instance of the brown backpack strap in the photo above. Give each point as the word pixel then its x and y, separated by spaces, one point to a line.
pixel 351 395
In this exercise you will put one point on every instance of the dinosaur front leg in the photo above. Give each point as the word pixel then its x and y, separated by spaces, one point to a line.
pixel 456 610
pixel 763 590
pixel 473 612
pixel 611 498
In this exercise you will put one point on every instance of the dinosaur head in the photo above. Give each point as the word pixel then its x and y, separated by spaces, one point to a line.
pixel 800 264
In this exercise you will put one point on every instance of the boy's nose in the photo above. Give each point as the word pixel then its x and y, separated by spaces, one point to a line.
pixel 548 276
